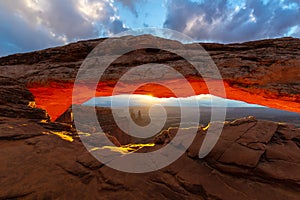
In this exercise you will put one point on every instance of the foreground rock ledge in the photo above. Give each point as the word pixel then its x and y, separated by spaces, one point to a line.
pixel 252 160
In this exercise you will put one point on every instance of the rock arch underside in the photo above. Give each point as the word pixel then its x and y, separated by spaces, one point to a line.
pixel 262 72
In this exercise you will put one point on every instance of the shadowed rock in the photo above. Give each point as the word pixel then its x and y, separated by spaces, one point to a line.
pixel 253 159
pixel 17 101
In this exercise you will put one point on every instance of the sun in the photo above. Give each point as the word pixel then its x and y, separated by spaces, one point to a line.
pixel 149 95
pixel 147 98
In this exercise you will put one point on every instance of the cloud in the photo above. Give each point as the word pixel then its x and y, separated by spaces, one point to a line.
pixel 29 25
pixel 18 35
pixel 295 31
pixel 227 21
pixel 131 4
pixel 34 24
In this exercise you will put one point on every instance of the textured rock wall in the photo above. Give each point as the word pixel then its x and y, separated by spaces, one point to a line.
pixel 17 101
pixel 252 160
pixel 264 72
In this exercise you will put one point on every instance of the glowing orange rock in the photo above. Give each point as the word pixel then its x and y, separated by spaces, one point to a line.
pixel 55 98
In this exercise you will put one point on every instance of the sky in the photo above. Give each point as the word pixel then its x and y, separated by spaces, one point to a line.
pixel 28 25
pixel 203 100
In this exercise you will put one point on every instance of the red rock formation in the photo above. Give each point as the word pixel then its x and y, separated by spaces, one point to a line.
pixel 17 101
pixel 56 98
pixel 263 72
pixel 252 160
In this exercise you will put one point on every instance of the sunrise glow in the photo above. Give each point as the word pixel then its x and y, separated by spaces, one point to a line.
pixel 57 98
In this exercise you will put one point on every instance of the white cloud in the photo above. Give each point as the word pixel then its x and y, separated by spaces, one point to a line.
pixel 233 21
pixel 28 25
pixel 56 21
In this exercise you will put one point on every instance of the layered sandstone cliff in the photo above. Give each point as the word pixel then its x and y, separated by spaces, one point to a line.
pixel 264 72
